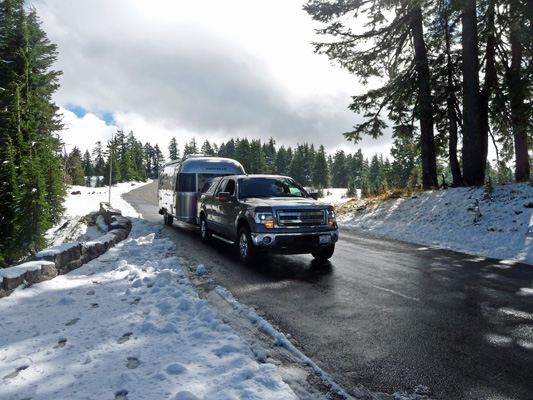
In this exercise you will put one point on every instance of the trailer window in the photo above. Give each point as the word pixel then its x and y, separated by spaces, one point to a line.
pixel 186 182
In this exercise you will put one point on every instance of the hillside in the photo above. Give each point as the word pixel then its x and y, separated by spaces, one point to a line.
pixel 493 223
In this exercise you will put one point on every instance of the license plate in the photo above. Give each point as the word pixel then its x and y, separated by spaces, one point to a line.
pixel 325 239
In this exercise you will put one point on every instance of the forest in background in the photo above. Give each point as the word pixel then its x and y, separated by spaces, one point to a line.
pixel 311 167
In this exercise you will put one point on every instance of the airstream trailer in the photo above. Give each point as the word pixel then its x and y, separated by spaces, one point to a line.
pixel 180 182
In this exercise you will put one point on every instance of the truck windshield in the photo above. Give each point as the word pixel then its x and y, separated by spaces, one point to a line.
pixel 270 187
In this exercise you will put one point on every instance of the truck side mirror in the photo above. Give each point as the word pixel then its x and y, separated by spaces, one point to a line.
pixel 224 196
pixel 314 195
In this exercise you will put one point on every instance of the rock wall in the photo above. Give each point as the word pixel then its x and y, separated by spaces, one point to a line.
pixel 64 258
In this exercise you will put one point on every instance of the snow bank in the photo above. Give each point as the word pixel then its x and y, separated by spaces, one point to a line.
pixel 126 325
pixel 497 224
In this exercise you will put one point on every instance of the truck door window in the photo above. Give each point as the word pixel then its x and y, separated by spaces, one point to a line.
pixel 230 187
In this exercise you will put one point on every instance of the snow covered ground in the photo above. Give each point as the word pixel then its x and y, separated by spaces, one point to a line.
pixel 129 324
pixel 495 223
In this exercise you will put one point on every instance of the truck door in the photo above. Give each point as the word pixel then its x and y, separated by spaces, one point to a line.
pixel 227 209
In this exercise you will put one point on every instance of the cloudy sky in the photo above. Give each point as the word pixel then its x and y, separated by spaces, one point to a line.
pixel 210 69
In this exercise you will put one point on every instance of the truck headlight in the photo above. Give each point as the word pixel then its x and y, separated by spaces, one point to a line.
pixel 331 217
pixel 265 218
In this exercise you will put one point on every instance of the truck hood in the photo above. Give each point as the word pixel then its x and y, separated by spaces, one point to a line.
pixel 282 202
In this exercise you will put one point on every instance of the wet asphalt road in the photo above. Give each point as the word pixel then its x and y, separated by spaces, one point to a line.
pixel 385 314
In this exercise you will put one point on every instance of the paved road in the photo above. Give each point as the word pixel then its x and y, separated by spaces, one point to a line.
pixel 387 315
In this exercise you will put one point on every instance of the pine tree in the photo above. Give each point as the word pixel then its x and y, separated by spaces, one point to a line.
pixel 32 217
pixel 88 169
pixel 269 150
pixel 207 149
pixel 283 160
pixel 98 158
pixel 297 168
pixel 158 160
pixel 191 147
pixel 227 149
pixel 243 154
pixel 394 46
pixel 258 163
pixel 173 150
pixel 112 167
pixel 339 176
pixel 320 169
pixel 75 171
pixel 8 197
pixel 28 127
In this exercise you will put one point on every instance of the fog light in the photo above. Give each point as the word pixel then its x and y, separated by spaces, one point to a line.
pixel 267 240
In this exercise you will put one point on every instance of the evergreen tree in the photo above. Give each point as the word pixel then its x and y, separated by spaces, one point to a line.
pixel 243 154
pixel 207 149
pixel 406 159
pixel 258 164
pixel 98 158
pixel 173 150
pixel 158 160
pixel 112 167
pixel 397 48
pixel 227 150
pixel 74 168
pixel 87 167
pixel 297 168
pixel 269 150
pixel 320 169
pixel 32 217
pixel 28 126
pixel 339 176
pixel 148 156
pixel 283 160
pixel 9 196
pixel 191 147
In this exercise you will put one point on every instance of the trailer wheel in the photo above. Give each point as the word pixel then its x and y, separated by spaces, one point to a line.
pixel 169 219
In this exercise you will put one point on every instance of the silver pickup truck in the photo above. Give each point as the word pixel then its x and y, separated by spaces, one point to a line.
pixel 266 213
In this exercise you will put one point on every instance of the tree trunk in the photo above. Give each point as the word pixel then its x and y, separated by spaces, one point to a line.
pixel 425 104
pixel 473 159
pixel 517 95
pixel 452 114
pixel 491 81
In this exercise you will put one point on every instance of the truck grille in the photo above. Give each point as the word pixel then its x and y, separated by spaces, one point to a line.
pixel 301 217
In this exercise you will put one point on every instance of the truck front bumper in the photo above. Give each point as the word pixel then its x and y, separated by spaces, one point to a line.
pixel 295 242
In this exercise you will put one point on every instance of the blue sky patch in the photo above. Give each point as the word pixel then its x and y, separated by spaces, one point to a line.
pixel 81 112
pixel 108 118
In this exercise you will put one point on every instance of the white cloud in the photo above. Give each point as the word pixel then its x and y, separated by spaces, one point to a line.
pixel 212 69
pixel 84 132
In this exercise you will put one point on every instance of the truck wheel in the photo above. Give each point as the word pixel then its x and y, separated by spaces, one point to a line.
pixel 247 250
pixel 205 232
pixel 324 254
pixel 169 219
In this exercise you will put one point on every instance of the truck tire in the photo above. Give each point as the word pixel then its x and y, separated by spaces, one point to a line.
pixel 324 254
pixel 205 232
pixel 245 246
pixel 169 219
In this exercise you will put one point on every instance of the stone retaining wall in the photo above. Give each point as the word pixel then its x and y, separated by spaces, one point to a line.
pixel 66 257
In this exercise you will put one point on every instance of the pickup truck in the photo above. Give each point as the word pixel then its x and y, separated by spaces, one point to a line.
pixel 266 213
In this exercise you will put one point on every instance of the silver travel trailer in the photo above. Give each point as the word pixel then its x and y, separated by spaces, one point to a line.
pixel 180 182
